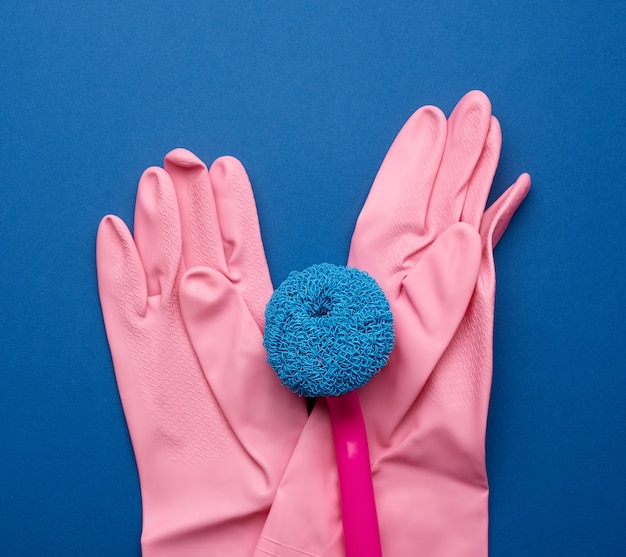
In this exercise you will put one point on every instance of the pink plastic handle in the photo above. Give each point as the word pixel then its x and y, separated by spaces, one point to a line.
pixel 358 506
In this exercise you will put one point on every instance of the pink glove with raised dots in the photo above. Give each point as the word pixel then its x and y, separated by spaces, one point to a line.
pixel 211 433
pixel 424 236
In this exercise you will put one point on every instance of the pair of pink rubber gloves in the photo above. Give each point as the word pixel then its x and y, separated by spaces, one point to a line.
pixel 230 464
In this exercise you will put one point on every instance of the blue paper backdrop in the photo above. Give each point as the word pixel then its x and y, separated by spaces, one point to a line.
pixel 309 95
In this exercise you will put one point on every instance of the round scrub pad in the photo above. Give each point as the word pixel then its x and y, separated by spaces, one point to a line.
pixel 328 330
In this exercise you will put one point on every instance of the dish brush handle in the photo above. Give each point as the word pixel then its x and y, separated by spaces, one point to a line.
pixel 358 506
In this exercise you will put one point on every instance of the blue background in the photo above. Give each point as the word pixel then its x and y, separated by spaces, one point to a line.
pixel 310 96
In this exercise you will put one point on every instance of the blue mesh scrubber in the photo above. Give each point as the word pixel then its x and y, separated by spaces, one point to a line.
pixel 328 330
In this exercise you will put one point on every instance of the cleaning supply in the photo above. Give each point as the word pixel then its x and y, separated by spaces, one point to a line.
pixel 425 236
pixel 211 426
pixel 328 330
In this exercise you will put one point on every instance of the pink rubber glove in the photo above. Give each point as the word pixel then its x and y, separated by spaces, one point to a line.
pixel 211 434
pixel 418 235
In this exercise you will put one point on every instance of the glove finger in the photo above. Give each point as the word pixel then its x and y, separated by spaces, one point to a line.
pixel 241 236
pixel 121 277
pixel 468 126
pixel 201 238
pixel 123 296
pixel 433 300
pixel 157 231
pixel 229 347
pixel 482 178
pixel 460 385
pixel 497 217
pixel 391 226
